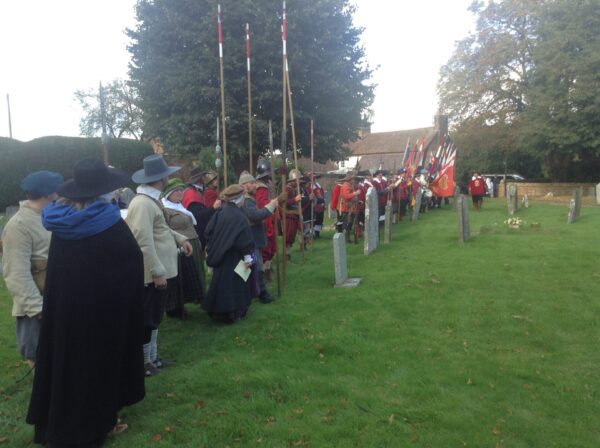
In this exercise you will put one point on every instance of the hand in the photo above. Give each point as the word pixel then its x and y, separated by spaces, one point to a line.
pixel 160 282
pixel 217 204
pixel 356 193
pixel 312 196
pixel 187 249
pixel 274 202
pixel 298 198
pixel 248 265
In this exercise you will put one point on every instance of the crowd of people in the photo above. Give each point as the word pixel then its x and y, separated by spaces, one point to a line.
pixel 93 267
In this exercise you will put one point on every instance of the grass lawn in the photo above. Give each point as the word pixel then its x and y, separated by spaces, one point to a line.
pixel 491 344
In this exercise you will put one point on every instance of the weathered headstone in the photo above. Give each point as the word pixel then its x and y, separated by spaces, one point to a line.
pixel 574 206
pixel 10 211
pixel 417 209
pixel 387 228
pixel 340 264
pixel 525 201
pixel 512 199
pixel 371 221
pixel 598 194
pixel 462 209
pixel 456 196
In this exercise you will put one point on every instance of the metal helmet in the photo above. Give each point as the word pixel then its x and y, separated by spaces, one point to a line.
pixel 208 177
pixel 295 174
pixel 263 168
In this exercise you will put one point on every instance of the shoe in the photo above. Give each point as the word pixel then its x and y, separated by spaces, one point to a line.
pixel 118 429
pixel 163 363
pixel 150 369
pixel 266 297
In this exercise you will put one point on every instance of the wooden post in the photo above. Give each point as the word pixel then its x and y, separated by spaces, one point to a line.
pixel 220 31
pixel 251 170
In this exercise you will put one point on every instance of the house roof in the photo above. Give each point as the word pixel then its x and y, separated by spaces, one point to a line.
pixel 378 143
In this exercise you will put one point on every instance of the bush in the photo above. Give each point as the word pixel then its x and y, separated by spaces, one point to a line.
pixel 17 159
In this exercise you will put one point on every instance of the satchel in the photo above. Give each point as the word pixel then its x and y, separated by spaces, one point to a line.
pixel 38 272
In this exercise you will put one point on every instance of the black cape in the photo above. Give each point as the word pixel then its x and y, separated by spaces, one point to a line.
pixel 89 362
pixel 229 238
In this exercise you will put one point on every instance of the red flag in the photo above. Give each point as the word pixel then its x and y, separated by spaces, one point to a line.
pixel 443 185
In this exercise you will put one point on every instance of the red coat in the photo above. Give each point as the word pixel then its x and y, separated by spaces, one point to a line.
pixel 477 186
pixel 191 195
pixel 210 196
pixel 346 197
pixel 335 197
pixel 262 199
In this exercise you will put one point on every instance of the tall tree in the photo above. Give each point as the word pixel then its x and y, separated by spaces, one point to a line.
pixel 175 69
pixel 123 116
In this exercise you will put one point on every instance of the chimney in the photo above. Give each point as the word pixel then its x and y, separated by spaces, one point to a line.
pixel 440 122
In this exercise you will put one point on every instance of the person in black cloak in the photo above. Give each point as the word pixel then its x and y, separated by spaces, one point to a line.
pixel 229 240
pixel 89 363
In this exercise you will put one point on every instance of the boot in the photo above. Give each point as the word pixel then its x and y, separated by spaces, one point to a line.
pixel 317 234
pixel 263 295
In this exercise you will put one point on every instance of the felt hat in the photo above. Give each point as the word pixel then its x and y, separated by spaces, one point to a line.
pixel 41 183
pixel 232 192
pixel 245 178
pixel 155 168
pixel 172 185
pixel 196 175
pixel 208 177
pixel 91 178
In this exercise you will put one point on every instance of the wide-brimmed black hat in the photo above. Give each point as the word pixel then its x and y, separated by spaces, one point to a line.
pixel 91 178
pixel 155 168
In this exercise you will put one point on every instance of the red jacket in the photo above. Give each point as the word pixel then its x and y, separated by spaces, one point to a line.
pixel 335 197
pixel 477 186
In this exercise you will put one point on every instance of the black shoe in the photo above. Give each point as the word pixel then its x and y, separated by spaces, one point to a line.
pixel 163 363
pixel 150 370
pixel 265 296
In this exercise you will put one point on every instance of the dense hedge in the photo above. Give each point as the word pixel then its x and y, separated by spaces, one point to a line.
pixel 17 159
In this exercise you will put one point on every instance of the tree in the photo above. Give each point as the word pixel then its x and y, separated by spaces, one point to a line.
pixel 562 124
pixel 123 115
pixel 175 68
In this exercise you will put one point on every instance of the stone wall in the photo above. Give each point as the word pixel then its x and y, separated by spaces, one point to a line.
pixel 542 189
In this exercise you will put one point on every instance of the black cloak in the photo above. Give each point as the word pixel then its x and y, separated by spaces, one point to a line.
pixel 89 362
pixel 229 238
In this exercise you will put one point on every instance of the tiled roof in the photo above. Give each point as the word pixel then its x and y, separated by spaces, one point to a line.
pixel 391 142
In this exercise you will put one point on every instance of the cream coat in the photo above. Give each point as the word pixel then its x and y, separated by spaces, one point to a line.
pixel 157 241
pixel 24 240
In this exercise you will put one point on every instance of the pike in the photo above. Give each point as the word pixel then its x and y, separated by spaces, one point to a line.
pixel 295 152
pixel 284 140
pixel 220 33
pixel 274 194
pixel 312 181
pixel 249 96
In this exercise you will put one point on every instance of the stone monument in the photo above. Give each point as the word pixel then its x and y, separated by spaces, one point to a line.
pixel 462 209
pixel 371 221
pixel 512 199
pixel 387 228
pixel 340 264
pixel 598 194
pixel 575 206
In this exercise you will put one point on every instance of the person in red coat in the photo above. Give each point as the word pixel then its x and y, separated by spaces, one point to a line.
pixel 262 195
pixel 211 188
pixel 477 190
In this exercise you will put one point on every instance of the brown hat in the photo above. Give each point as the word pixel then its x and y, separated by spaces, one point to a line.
pixel 208 177
pixel 232 192
pixel 246 177
pixel 349 177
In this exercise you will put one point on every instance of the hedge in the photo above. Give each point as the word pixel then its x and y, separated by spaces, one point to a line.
pixel 17 159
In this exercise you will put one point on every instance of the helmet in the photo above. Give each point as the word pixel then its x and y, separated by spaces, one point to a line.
pixel 295 174
pixel 263 168
pixel 208 177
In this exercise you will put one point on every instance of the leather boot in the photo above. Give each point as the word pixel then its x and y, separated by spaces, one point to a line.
pixel 264 295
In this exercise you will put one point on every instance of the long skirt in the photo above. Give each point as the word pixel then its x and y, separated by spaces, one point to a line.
pixel 188 286
pixel 292 224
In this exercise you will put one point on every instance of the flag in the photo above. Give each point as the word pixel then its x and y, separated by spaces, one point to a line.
pixel 443 185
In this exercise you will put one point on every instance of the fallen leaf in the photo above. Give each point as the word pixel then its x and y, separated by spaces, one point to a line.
pixel 246 394
pixel 169 428
pixel 200 404
pixel 469 381
pixel 435 280
pixel 169 395
pixel 496 431
pixel 156 437
pixel 391 419
pixel 3 439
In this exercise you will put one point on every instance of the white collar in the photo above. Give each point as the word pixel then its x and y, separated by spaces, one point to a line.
pixel 148 191
pixel 178 207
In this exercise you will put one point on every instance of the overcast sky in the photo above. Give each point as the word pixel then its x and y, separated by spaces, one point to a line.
pixel 50 48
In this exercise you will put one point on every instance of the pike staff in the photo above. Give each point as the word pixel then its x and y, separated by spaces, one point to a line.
pixel 220 32
pixel 275 216
pixel 284 138
pixel 312 181
pixel 249 96
pixel 295 151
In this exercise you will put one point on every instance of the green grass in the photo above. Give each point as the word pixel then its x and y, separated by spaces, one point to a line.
pixel 493 343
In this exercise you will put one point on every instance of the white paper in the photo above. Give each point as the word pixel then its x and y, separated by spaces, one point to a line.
pixel 242 270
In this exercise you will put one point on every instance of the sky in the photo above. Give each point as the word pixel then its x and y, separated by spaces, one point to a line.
pixel 50 48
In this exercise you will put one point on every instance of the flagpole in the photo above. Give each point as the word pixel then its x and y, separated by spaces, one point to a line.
pixel 284 139
pixel 295 150
pixel 274 194
pixel 249 97
pixel 220 32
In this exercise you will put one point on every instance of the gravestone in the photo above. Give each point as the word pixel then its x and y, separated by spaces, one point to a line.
pixel 417 209
pixel 371 221
pixel 512 199
pixel 575 206
pixel 387 228
pixel 456 196
pixel 525 201
pixel 598 194
pixel 462 209
pixel 10 211
pixel 340 264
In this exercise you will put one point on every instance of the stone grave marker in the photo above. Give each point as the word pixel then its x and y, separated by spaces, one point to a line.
pixel 456 196
pixel 525 201
pixel 575 206
pixel 387 228
pixel 462 208
pixel 512 199
pixel 340 264
pixel 598 194
pixel 371 221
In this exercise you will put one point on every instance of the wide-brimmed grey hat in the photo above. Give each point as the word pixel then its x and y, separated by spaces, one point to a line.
pixel 155 168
